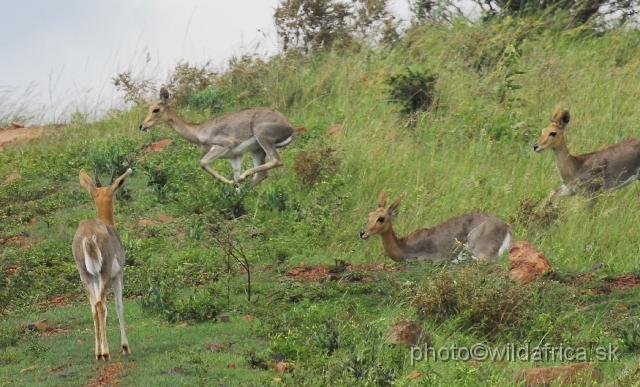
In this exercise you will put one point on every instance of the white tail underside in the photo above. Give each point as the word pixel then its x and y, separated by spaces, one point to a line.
pixel 505 244
pixel 93 266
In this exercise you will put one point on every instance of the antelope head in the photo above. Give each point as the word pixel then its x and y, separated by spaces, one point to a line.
pixel 380 219
pixel 104 197
pixel 158 112
pixel 553 135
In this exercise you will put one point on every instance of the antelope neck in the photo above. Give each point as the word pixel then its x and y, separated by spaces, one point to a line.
pixel 565 163
pixel 393 247
pixel 187 130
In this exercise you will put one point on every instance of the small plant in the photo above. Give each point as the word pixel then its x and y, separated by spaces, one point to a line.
pixel 118 155
pixel 414 91
pixel 200 306
pixel 159 177
pixel 312 167
pixel 276 198
pixel 134 88
pixel 536 217
pixel 187 79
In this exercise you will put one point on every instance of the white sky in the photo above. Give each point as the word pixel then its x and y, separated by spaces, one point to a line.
pixel 63 53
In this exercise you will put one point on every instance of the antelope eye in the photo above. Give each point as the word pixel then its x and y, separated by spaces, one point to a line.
pixel 380 220
pixel 156 110
pixel 553 134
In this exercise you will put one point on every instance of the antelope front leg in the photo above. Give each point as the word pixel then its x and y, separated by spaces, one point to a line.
pixel 215 152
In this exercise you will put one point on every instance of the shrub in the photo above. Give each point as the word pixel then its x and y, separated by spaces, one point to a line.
pixel 187 79
pixel 211 98
pixel 484 301
pixel 200 306
pixel 414 91
pixel 312 167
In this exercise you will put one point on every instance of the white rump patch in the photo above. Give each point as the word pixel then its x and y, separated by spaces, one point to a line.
pixel 93 264
pixel 285 142
pixel 115 267
pixel 505 244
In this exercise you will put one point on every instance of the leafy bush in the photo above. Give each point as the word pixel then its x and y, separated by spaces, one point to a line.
pixel 414 91
pixel 202 305
pixel 210 98
pixel 187 79
pixel 120 154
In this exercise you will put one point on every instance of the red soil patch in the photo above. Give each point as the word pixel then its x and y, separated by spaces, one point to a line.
pixel 9 135
pixel 305 272
pixel 110 374
pixel 621 282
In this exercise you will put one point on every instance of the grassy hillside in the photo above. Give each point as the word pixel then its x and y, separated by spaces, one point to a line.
pixel 495 88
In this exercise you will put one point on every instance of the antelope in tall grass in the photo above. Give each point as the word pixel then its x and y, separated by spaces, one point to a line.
pixel 100 257
pixel 589 174
pixel 484 236
pixel 229 136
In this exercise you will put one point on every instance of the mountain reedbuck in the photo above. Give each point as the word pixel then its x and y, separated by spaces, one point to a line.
pixel 591 173
pixel 229 136
pixel 100 258
pixel 483 235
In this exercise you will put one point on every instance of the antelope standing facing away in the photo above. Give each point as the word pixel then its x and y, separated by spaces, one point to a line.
pixel 100 257
pixel 591 173
pixel 229 136
pixel 484 235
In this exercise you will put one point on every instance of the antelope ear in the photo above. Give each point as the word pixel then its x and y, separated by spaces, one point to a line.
pixel 115 186
pixel 382 199
pixel 396 204
pixel 560 117
pixel 86 182
pixel 164 95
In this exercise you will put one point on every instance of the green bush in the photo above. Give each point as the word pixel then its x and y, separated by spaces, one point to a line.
pixel 211 98
pixel 202 305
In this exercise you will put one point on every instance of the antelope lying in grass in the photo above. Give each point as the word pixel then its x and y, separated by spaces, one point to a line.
pixel 100 257
pixel 229 136
pixel 591 173
pixel 484 235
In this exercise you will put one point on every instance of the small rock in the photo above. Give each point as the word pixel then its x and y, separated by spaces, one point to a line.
pixel 596 266
pixel 79 341
pixel 12 177
pixel 224 318
pixel 579 374
pixel 414 374
pixel 247 317
pixel 32 222
pixel 406 332
pixel 145 222
pixel 300 130
pixel 527 263
pixel 281 367
pixel 623 307
pixel 259 231
pixel 38 325
pixel 231 365
pixel 65 373
pixel 278 357
pixel 335 131
pixel 17 125
pixel 182 325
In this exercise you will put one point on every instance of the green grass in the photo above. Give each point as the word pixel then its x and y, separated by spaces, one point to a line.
pixel 472 150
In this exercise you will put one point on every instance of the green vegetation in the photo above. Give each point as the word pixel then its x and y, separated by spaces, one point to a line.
pixel 483 92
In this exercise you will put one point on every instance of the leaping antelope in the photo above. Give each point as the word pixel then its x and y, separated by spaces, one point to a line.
pixel 591 173
pixel 484 235
pixel 229 136
pixel 100 257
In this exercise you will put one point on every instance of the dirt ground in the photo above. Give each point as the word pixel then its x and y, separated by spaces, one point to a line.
pixel 9 135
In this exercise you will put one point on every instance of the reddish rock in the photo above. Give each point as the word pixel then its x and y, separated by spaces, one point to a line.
pixel 145 222
pixel 406 332
pixel 335 131
pixel 247 317
pixel 17 125
pixel 527 263
pixel 281 367
pixel 12 177
pixel 300 130
pixel 164 218
pixel 415 374
pixel 32 222
pixel 38 325
pixel 158 146
pixel 579 374
pixel 231 365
